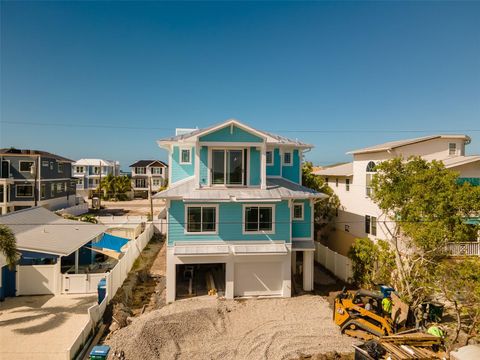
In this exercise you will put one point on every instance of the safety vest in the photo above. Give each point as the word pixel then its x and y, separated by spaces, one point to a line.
pixel 387 305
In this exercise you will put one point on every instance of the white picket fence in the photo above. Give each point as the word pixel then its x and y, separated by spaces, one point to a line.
pixel 115 279
pixel 464 248
pixel 337 264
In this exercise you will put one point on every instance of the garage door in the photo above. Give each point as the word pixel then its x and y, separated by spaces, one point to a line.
pixel 254 279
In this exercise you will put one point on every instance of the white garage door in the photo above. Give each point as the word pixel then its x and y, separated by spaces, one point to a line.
pixel 254 279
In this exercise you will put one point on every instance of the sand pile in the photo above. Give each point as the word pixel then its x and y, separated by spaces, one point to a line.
pixel 207 328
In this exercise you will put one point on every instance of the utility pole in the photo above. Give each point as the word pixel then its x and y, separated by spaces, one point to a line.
pixel 150 197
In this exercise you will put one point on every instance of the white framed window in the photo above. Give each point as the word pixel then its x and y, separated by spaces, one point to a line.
pixel 185 156
pixel 23 190
pixel 156 170
pixel 25 166
pixel 59 187
pixel 80 181
pixel 369 176
pixel 60 167
pixel 201 219
pixel 96 170
pixel 371 225
pixel 287 158
pixel 269 156
pixel 452 149
pixel 51 165
pixel 258 219
pixel 79 169
pixel 43 191
pixel 298 211
pixel 156 182
pixel 347 184
pixel 52 189
pixel 45 163
pixel 228 167
pixel 140 170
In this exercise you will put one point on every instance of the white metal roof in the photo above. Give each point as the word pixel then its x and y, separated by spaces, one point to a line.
pixel 455 161
pixel 96 162
pixel 38 229
pixel 277 189
pixel 260 249
pixel 303 245
pixel 201 249
pixel 399 143
pixel 339 170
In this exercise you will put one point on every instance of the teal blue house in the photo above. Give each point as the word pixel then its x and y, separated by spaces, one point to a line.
pixel 237 212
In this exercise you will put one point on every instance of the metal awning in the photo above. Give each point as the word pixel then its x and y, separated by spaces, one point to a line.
pixel 201 249
pixel 303 245
pixel 260 249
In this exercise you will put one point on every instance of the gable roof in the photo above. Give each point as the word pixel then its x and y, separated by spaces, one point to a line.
pixel 339 170
pixel 28 152
pixel 269 137
pixel 145 163
pixel 399 143
pixel 40 230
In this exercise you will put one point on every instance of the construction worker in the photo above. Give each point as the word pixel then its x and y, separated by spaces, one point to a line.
pixel 436 330
pixel 387 305
pixel 369 305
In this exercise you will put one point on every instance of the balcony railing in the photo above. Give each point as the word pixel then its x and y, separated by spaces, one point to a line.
pixel 464 248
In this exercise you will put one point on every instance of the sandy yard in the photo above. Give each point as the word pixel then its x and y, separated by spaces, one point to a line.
pixel 209 328
pixel 136 206
pixel 41 327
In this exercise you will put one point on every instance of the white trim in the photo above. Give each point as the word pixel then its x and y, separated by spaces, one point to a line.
pixel 25 161
pixel 312 215
pixel 303 211
pixel 263 167
pixel 201 206
pixel 180 150
pixel 231 122
pixel 170 155
pixel 291 158
pixel 225 165
pixel 196 170
pixel 270 232
pixel 227 144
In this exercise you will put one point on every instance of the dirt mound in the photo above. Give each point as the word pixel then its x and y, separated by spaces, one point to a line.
pixel 206 328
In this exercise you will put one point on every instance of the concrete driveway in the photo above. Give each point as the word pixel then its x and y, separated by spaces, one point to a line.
pixel 41 327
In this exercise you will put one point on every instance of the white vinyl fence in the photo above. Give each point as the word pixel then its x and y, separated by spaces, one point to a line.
pixel 337 264
pixel 114 278
pixel 160 224
pixel 75 210
pixel 464 249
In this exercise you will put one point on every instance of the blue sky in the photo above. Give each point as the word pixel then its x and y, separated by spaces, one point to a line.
pixel 363 73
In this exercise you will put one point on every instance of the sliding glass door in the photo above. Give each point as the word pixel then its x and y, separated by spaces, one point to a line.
pixel 228 167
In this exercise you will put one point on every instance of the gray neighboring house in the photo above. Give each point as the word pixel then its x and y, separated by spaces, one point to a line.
pixel 146 171
pixel 35 178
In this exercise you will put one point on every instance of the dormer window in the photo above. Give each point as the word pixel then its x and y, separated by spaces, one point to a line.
pixel 287 158
pixel 269 155
pixel 452 149
pixel 185 156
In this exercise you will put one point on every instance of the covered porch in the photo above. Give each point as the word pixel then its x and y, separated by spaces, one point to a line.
pixel 303 262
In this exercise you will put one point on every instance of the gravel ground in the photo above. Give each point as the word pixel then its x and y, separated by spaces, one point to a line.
pixel 209 328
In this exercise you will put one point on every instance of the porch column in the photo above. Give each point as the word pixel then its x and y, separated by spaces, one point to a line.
pixel 4 204
pixel 76 261
pixel 308 270
pixel 171 276
pixel 229 279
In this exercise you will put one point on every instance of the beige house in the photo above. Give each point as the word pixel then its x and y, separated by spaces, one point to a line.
pixel 359 215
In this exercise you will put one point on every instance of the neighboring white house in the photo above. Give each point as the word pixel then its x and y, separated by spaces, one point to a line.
pixel 88 173
pixel 146 174
pixel 358 215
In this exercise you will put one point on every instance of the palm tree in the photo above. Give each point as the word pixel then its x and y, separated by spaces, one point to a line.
pixel 122 185
pixel 8 246
pixel 108 185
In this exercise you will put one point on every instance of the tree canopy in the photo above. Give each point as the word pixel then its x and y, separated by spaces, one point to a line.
pixel 8 246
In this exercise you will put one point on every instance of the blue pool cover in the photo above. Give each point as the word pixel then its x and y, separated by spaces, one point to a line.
pixel 111 242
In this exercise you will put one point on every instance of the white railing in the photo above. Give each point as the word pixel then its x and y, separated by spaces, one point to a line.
pixel 464 248
pixel 337 264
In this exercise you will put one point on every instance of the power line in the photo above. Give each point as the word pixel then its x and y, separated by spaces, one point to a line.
pixel 318 131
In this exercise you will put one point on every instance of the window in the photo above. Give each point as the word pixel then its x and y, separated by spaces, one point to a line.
pixel 52 189
pixel 140 183
pixel 45 163
pixel 269 156
pixel 156 182
pixel 43 191
pixel 96 170
pixel 367 224
pixel 347 184
pixel 79 169
pixel 140 170
pixel 371 225
pixel 24 190
pixel 452 149
pixel 258 219
pixel 59 187
pixel 370 172
pixel 336 182
pixel 80 181
pixel 228 167
pixel 201 219
pixel 26 166
pixel 185 157
pixel 326 180
pixel 347 228
pixel 51 165
pixel 156 170
pixel 60 167
pixel 297 211
pixel 287 158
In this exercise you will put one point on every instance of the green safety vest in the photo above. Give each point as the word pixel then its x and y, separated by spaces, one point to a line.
pixel 387 305
pixel 435 331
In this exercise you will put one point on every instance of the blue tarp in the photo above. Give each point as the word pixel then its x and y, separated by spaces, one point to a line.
pixel 110 242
